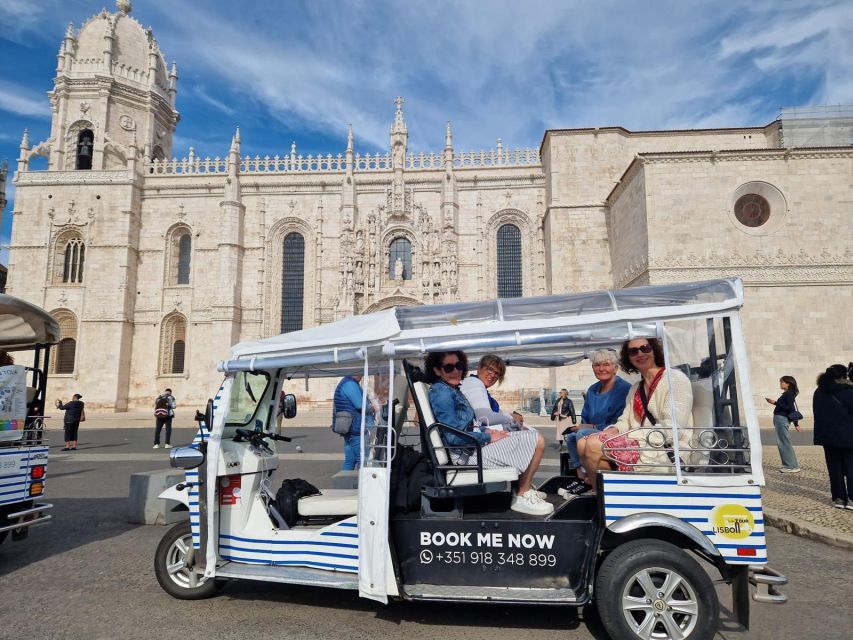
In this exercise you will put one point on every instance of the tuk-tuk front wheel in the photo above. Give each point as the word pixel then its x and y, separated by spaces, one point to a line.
pixel 651 589
pixel 173 573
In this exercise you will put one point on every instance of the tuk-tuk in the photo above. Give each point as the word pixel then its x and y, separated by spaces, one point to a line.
pixel 634 547
pixel 24 327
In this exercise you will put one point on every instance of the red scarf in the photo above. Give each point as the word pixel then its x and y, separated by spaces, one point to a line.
pixel 639 411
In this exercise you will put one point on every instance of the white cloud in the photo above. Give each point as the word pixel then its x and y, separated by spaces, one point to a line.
pixel 503 69
pixel 23 101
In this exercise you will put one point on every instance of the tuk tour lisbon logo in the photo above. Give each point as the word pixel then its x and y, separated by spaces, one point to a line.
pixel 732 521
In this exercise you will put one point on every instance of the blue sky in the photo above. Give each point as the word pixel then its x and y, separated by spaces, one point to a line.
pixel 301 71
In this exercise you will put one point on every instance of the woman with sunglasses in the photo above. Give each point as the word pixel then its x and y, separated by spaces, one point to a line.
pixel 520 449
pixel 641 438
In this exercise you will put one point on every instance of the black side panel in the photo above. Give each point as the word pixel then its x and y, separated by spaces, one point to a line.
pixel 496 552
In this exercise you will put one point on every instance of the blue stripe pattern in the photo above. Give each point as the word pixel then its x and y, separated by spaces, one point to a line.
pixel 314 551
pixel 665 495
pixel 15 487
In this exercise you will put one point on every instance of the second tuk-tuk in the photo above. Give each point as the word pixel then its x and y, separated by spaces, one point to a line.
pixel 24 329
pixel 636 547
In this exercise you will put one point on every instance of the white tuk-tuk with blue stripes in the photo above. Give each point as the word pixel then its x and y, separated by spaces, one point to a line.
pixel 421 526
pixel 27 333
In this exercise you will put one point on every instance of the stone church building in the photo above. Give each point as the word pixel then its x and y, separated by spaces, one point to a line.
pixel 155 266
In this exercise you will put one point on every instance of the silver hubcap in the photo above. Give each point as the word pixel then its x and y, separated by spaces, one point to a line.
pixel 660 603
pixel 176 565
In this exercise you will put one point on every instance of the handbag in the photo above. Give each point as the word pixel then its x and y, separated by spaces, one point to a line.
pixel 342 423
pixel 795 415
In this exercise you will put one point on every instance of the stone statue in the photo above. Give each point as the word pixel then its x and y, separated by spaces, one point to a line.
pixel 359 241
pixel 398 269
pixel 543 411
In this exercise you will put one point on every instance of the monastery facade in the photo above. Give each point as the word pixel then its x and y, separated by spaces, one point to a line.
pixel 155 266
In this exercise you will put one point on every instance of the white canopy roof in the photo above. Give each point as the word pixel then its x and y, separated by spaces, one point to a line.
pixel 24 325
pixel 561 326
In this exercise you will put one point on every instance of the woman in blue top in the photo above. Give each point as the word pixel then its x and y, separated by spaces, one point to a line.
pixel 520 449
pixel 604 403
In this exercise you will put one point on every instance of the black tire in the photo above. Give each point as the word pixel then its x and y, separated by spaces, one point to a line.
pixel 180 582
pixel 628 609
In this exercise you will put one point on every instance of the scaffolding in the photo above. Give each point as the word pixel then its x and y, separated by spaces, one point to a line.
pixel 817 126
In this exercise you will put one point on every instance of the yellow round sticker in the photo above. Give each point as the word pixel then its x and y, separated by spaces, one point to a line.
pixel 732 521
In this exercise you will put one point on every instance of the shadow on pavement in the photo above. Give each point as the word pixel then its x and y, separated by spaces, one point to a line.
pixel 76 522
pixel 497 616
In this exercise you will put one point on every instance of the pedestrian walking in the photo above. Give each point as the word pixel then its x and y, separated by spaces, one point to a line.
pixel 563 412
pixel 346 418
pixel 164 412
pixel 75 413
pixel 832 404
pixel 785 406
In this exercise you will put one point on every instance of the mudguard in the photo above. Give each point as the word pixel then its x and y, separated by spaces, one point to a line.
pixel 178 495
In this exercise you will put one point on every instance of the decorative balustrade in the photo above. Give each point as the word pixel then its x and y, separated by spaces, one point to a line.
pixel 497 158
pixel 297 163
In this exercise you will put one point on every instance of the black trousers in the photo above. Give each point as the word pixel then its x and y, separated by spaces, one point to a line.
pixel 167 421
pixel 839 464
pixel 70 429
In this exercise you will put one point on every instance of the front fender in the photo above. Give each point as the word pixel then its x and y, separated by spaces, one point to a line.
pixel 178 495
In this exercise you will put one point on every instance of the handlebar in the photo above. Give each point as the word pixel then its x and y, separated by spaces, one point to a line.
pixel 256 438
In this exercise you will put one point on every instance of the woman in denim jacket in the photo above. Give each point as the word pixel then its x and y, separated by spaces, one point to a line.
pixel 520 449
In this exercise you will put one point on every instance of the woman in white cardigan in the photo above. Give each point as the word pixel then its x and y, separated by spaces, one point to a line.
pixel 641 440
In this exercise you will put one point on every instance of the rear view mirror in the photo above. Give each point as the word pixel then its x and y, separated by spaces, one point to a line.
pixel 289 406
pixel 186 458
pixel 208 415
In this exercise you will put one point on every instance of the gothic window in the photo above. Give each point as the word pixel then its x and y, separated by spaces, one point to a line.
pixel 509 261
pixel 63 355
pixel 173 344
pixel 292 282
pixel 400 249
pixel 179 348
pixel 70 258
pixel 179 256
pixel 85 144
pixel 184 249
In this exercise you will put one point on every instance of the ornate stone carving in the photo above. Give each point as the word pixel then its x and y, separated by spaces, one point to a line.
pixel 127 123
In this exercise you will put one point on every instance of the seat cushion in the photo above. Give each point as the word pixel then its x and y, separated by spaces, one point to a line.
pixel 332 502
pixel 462 478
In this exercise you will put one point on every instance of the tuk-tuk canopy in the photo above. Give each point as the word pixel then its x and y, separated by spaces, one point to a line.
pixel 560 328
pixel 24 325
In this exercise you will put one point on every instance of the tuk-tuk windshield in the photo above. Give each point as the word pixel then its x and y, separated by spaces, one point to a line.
pixel 247 393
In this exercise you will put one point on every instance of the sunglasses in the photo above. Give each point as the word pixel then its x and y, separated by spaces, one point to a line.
pixel 646 348
pixel 448 368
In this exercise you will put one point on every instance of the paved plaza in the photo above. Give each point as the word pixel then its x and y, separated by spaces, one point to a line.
pixel 91 557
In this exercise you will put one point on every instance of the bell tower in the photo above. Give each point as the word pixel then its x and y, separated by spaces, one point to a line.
pixel 113 94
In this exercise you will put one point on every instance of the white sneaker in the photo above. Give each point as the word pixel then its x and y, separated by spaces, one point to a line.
pixel 790 470
pixel 156 446
pixel 540 494
pixel 167 446
pixel 530 504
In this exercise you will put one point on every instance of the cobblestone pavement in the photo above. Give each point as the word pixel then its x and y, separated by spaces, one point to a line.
pixel 800 503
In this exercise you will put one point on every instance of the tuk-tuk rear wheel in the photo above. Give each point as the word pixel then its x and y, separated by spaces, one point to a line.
pixel 173 574
pixel 651 589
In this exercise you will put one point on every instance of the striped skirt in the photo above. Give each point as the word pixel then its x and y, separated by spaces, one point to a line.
pixel 516 450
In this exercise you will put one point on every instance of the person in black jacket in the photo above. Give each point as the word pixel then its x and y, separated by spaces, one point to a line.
pixel 563 411
pixel 833 430
pixel 75 413
pixel 785 404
